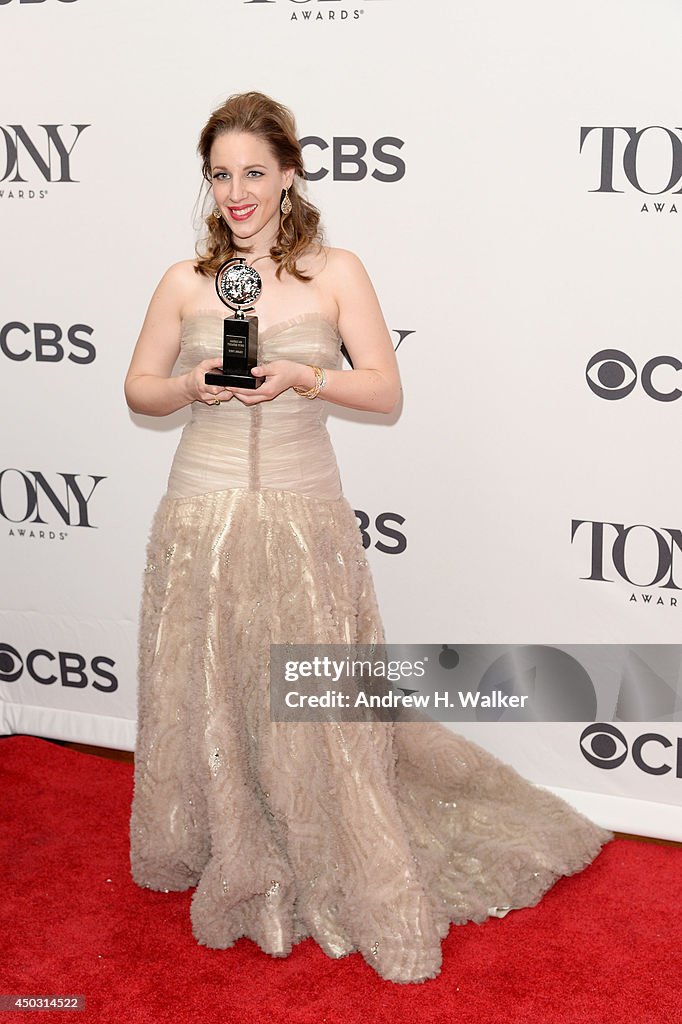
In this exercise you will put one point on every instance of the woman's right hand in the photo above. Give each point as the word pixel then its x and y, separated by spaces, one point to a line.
pixel 150 387
pixel 196 388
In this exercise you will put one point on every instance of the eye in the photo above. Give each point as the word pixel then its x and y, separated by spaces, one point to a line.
pixel 603 745
pixel 11 665
pixel 220 176
pixel 611 374
pixel 257 174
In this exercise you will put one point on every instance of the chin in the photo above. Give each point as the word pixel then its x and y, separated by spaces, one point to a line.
pixel 240 235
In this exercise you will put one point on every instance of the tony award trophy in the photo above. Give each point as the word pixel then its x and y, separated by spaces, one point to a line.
pixel 238 286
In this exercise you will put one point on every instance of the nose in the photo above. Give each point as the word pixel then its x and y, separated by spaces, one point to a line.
pixel 237 189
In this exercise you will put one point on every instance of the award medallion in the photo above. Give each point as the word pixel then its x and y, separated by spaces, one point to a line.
pixel 238 286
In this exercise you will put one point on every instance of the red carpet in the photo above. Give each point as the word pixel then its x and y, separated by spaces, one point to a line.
pixel 602 947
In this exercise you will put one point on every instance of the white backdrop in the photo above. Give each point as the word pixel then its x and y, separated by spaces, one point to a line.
pixel 513 255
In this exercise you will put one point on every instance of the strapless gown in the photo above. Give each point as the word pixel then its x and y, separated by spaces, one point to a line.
pixel 368 836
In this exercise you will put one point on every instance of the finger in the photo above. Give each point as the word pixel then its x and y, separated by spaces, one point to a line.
pixel 254 395
pixel 253 398
pixel 244 392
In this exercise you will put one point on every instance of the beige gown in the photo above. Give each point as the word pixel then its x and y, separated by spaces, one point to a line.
pixel 366 836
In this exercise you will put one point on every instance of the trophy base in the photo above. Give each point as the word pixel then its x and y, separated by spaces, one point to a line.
pixel 232 380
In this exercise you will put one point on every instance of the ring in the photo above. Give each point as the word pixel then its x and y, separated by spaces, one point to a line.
pixel 216 402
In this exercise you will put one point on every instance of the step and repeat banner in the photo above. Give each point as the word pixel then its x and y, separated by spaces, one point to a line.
pixel 513 184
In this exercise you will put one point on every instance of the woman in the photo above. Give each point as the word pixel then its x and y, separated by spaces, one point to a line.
pixel 365 836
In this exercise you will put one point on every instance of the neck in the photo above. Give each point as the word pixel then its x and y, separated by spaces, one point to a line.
pixel 251 255
pixel 252 258
pixel 257 249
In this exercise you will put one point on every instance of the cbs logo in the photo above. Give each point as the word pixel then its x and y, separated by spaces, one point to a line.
pixel 382 527
pixel 348 158
pixel 68 668
pixel 46 342
pixel 612 374
pixel 605 746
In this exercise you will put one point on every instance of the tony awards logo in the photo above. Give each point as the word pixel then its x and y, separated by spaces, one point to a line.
pixel 238 286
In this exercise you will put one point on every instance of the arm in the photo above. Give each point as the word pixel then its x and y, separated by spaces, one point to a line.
pixel 149 387
pixel 374 382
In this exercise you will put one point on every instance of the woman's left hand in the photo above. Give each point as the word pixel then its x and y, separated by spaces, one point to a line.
pixel 278 376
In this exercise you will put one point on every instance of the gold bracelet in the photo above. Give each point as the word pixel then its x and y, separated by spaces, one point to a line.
pixel 320 382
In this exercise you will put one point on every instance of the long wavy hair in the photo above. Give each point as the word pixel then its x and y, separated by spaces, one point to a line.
pixel 257 114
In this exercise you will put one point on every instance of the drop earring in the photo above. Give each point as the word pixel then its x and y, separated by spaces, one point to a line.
pixel 285 204
pixel 216 213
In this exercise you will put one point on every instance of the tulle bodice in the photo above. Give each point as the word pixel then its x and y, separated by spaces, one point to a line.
pixel 280 445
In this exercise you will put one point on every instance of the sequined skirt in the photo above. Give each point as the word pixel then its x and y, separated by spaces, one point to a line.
pixel 370 837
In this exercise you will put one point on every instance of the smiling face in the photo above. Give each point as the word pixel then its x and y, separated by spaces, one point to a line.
pixel 247 186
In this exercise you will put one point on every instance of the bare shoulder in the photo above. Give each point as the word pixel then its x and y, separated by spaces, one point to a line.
pixel 179 286
pixel 341 261
pixel 344 269
pixel 321 260
pixel 181 275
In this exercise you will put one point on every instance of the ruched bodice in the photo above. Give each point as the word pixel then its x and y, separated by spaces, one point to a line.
pixel 277 445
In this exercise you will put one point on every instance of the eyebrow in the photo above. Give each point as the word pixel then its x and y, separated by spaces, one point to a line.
pixel 250 167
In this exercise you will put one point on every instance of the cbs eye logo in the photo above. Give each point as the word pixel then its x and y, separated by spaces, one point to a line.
pixel 612 374
pixel 605 746
pixel 68 668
